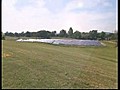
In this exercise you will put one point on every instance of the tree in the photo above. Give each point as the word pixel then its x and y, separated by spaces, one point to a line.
pixel 22 34
pixel 115 35
pixel 53 33
pixel 102 35
pixel 27 34
pixel 93 34
pixel 84 35
pixel 77 35
pixel 43 34
pixel 48 34
pixel 63 33
pixel 16 34
pixel 9 34
pixel 70 32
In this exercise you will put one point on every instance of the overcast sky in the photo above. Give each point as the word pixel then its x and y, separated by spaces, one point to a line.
pixel 55 15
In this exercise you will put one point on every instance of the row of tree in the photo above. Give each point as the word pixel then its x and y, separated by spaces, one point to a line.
pixel 92 35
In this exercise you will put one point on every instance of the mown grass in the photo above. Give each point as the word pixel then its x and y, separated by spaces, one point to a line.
pixel 39 65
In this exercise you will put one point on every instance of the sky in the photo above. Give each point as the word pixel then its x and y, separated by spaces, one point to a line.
pixel 55 15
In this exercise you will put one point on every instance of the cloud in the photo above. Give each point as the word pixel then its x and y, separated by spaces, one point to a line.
pixel 35 15
pixel 24 19
pixel 87 4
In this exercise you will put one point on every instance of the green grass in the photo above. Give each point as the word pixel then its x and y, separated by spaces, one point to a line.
pixel 39 65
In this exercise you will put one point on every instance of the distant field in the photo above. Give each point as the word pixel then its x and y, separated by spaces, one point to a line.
pixel 39 65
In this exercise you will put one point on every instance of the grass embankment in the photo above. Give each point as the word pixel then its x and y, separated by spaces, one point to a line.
pixel 39 65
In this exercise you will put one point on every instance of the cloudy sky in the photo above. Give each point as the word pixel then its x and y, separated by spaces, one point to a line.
pixel 82 15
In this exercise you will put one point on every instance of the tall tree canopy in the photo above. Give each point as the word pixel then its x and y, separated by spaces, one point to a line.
pixel 93 34
pixel 63 33
pixel 70 32
pixel 77 35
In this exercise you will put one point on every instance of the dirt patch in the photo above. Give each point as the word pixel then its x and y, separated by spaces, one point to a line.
pixel 6 55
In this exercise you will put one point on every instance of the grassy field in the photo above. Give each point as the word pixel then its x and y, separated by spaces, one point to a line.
pixel 39 65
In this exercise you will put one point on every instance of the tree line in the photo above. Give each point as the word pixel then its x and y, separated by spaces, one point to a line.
pixel 43 34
